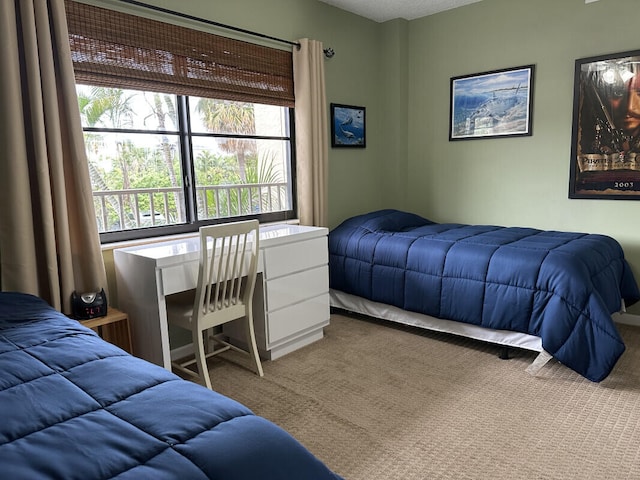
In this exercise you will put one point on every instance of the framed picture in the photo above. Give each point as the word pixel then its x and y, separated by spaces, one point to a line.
pixel 491 104
pixel 348 126
pixel 605 141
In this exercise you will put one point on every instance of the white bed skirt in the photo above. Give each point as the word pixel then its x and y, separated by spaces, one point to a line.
pixel 383 311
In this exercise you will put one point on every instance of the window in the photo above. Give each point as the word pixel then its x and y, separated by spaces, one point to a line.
pixel 182 127
pixel 172 162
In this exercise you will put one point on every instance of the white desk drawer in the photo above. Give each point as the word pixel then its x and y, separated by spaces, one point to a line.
pixel 299 318
pixel 181 277
pixel 295 288
pixel 294 257
pixel 178 278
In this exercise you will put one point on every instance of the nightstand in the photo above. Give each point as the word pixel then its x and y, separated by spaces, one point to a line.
pixel 113 327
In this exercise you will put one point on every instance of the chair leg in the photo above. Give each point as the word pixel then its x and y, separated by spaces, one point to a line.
pixel 251 343
pixel 210 343
pixel 201 358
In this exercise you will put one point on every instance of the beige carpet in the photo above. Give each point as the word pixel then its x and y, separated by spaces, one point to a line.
pixel 376 402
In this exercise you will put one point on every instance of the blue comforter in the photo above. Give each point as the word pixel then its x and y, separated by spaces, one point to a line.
pixel 75 407
pixel 559 286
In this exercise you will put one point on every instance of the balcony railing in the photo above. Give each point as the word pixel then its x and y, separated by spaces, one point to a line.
pixel 148 207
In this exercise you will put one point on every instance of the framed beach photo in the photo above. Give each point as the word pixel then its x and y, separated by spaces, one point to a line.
pixel 348 126
pixel 492 104
pixel 605 142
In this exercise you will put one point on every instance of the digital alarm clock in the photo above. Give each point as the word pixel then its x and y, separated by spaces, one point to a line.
pixel 89 305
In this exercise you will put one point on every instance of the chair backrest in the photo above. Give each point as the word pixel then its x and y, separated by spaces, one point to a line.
pixel 227 271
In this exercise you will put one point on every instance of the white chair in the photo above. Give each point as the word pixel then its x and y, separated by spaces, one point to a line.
pixel 226 280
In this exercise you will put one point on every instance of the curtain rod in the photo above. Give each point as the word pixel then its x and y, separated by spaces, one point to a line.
pixel 209 22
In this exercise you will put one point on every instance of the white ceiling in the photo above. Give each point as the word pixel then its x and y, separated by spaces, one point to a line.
pixel 383 10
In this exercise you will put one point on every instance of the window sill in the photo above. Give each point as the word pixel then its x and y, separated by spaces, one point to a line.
pixel 146 241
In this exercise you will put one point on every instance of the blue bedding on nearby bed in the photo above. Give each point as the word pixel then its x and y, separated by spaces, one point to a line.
pixel 559 286
pixel 75 407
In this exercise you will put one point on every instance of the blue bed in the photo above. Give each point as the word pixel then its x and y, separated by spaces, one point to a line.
pixel 75 407
pixel 562 287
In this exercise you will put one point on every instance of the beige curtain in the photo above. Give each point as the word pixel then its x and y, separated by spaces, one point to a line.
pixel 49 243
pixel 312 134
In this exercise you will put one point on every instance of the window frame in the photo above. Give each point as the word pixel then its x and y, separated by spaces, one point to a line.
pixel 184 136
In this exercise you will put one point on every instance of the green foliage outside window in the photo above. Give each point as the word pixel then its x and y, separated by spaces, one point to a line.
pixel 132 143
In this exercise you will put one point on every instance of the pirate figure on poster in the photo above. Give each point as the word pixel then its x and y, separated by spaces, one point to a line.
pixel 608 146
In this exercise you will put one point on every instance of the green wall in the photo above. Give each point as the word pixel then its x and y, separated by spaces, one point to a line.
pixel 518 181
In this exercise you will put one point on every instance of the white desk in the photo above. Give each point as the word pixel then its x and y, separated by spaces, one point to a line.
pixel 291 303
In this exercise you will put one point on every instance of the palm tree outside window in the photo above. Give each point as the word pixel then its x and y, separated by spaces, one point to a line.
pixel 164 164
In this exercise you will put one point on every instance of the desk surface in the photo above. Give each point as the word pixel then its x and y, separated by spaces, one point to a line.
pixel 188 249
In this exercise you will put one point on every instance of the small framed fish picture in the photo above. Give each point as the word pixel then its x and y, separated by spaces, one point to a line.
pixel 348 126
pixel 492 104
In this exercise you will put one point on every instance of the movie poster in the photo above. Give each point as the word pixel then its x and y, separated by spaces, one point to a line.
pixel 605 160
